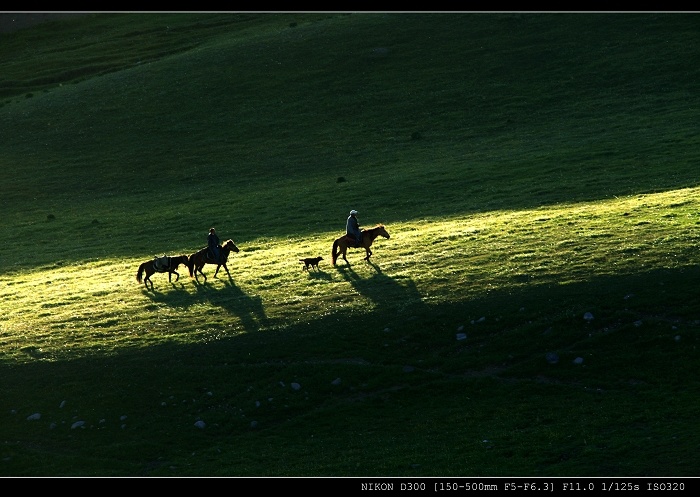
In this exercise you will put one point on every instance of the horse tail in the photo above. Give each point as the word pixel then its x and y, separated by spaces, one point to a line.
pixel 139 273
pixel 190 265
pixel 334 252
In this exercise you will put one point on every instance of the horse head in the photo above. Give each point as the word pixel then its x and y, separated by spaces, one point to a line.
pixel 231 246
pixel 383 231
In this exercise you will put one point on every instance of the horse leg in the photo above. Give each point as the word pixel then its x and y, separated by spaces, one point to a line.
pixel 226 268
pixel 344 253
pixel 177 275
pixel 369 253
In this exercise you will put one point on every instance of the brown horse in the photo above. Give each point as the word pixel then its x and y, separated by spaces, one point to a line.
pixel 165 264
pixel 202 257
pixel 340 245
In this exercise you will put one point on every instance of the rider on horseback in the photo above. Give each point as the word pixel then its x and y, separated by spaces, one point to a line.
pixel 214 245
pixel 352 228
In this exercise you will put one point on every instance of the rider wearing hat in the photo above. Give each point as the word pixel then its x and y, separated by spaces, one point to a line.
pixel 352 227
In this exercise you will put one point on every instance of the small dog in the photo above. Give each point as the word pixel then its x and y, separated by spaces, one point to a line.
pixel 311 262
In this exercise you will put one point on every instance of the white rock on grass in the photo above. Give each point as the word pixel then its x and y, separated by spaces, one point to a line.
pixel 200 424
pixel 34 417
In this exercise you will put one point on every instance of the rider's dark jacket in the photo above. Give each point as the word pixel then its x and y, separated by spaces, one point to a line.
pixel 352 228
pixel 213 244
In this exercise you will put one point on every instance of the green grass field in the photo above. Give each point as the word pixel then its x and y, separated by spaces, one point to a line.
pixel 534 313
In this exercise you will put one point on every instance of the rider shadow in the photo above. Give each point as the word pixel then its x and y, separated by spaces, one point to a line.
pixel 249 309
pixel 396 294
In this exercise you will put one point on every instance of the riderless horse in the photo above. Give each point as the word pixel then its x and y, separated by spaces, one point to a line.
pixel 165 264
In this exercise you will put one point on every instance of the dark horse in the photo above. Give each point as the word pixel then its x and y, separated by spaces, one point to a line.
pixel 163 264
pixel 199 259
pixel 340 245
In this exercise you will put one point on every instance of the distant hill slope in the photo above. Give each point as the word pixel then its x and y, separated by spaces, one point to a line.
pixel 14 21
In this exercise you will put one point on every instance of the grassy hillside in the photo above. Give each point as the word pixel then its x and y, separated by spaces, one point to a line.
pixel 534 312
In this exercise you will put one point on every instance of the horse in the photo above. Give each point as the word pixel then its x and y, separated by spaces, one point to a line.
pixel 163 264
pixel 340 245
pixel 202 257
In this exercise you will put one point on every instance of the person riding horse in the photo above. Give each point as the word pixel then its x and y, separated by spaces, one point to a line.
pixel 214 245
pixel 352 228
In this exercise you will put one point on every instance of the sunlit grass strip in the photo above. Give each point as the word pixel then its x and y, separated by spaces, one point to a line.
pixel 98 306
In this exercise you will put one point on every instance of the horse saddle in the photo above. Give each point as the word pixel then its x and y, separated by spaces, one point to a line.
pixel 211 257
pixel 352 242
pixel 161 264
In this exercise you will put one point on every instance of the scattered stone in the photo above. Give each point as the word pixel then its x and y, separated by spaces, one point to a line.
pixel 588 316
pixel 552 357
pixel 461 336
pixel 200 424
pixel 578 360
pixel 77 424
pixel 296 386
pixel 34 417
pixel 62 405
pixel 336 382
pixel 253 424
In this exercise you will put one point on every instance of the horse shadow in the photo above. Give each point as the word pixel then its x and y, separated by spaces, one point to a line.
pixel 395 294
pixel 248 309
pixel 176 294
